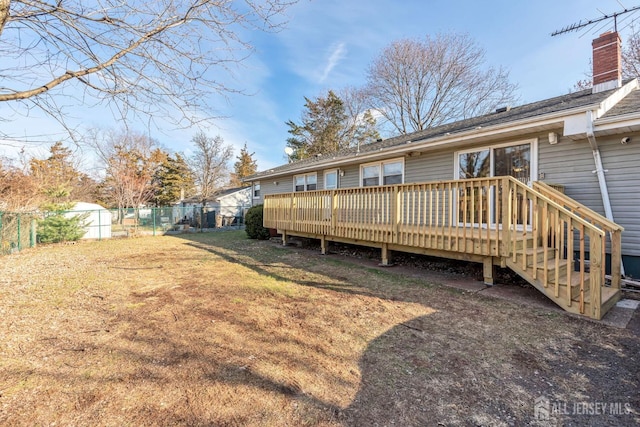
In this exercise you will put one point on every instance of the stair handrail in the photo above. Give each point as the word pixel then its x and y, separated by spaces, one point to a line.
pixel 614 230
pixel 556 205
pixel 576 207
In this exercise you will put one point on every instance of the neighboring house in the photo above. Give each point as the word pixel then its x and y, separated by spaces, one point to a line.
pixel 226 204
pixel 587 144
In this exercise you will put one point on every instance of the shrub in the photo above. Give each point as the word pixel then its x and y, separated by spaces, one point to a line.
pixel 58 228
pixel 253 223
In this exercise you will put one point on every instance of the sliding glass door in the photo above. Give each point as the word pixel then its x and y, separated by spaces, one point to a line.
pixel 475 206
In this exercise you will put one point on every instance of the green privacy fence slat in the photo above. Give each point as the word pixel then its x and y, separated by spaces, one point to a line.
pixel 18 230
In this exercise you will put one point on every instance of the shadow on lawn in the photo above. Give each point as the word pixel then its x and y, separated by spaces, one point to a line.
pixel 466 364
pixel 271 261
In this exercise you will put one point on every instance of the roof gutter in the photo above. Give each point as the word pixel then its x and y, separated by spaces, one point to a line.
pixel 602 181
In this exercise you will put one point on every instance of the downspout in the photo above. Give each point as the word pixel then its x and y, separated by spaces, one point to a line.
pixel 602 182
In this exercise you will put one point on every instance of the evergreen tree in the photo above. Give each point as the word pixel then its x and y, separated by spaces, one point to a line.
pixel 245 166
pixel 55 174
pixel 56 227
pixel 173 180
pixel 58 179
pixel 327 128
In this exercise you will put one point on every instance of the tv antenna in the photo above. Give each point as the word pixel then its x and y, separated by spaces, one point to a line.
pixel 581 24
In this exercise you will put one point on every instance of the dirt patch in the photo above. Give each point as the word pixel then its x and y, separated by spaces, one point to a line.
pixel 215 329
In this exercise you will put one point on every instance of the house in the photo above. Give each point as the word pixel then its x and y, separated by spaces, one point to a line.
pixel 226 205
pixel 545 189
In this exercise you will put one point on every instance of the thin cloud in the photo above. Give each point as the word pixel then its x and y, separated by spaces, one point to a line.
pixel 339 52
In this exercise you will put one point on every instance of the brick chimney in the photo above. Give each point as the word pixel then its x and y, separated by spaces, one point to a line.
pixel 607 62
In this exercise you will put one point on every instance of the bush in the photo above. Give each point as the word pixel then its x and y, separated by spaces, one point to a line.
pixel 253 223
pixel 58 228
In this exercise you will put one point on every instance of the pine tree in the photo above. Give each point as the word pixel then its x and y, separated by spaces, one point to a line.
pixel 58 179
pixel 327 128
pixel 174 180
pixel 245 166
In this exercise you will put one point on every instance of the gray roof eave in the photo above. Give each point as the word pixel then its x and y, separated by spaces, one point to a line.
pixel 617 119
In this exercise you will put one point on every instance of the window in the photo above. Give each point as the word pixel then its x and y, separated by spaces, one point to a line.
pixel 307 182
pixel 516 159
pixel 256 190
pixel 370 175
pixel 331 180
pixel 392 173
pixel 383 173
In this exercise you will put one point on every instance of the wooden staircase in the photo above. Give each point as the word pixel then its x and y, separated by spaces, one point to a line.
pixel 561 252
pixel 570 290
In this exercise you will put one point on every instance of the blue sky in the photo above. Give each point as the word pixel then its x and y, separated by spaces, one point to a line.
pixel 328 44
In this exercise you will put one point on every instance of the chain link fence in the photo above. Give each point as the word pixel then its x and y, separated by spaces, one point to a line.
pixel 17 231
pixel 20 230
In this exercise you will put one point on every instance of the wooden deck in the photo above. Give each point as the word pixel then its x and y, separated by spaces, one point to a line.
pixel 549 239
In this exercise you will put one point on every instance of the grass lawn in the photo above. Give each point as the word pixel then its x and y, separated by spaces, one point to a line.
pixel 215 329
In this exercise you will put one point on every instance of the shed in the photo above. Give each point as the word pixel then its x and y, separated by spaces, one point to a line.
pixel 98 221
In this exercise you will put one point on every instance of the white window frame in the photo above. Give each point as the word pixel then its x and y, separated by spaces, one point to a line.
pixel 328 172
pixel 253 190
pixel 380 165
pixel 306 183
pixel 533 161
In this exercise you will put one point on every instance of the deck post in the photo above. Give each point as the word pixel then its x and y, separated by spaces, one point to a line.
pixel 616 259
pixel 284 237
pixel 506 216
pixel 386 255
pixel 395 214
pixel 487 270
pixel 596 275
pixel 324 245
pixel 334 211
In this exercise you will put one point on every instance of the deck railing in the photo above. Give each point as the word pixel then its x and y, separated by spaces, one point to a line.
pixel 613 231
pixel 491 217
pixel 461 216
pixel 564 245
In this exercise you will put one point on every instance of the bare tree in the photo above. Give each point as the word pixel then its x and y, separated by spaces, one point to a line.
pixel 417 84
pixel 147 58
pixel 130 161
pixel 631 56
pixel 361 120
pixel 209 164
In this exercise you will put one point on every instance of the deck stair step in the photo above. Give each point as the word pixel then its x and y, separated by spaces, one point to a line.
pixel 524 242
pixel 553 265
pixel 537 254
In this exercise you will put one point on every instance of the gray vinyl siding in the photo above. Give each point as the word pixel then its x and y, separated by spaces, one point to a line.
pixel 429 167
pixel 351 176
pixel 571 164
pixel 274 186
pixel 622 163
